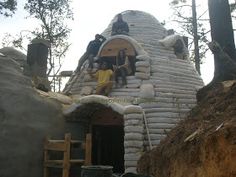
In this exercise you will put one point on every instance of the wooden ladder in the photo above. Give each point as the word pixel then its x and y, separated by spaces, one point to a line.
pixel 64 146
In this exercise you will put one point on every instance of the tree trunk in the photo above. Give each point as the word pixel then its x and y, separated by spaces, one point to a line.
pixel 196 38
pixel 222 33
pixel 222 45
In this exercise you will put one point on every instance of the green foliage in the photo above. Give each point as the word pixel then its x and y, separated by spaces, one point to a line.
pixel 7 7
pixel 52 16
pixel 18 40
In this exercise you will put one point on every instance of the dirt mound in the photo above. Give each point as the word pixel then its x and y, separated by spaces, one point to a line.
pixel 204 144
pixel 25 119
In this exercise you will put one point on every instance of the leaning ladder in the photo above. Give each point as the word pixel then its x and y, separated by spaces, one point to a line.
pixel 65 147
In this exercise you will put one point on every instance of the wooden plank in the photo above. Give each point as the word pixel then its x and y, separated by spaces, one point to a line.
pixel 63 141
pixel 53 164
pixel 61 146
pixel 88 149
pixel 81 161
pixel 46 157
pixel 61 161
pixel 66 156
pixel 65 145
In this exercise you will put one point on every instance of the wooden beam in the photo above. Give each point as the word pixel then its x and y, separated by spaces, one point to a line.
pixel 88 149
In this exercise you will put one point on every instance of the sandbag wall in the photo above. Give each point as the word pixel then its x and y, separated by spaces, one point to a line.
pixel 85 85
pixel 175 83
pixel 133 140
pixel 163 86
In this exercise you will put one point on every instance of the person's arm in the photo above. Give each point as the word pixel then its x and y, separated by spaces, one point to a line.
pixel 126 64
pixel 126 61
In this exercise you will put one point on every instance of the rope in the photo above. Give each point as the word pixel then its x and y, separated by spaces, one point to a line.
pixel 147 130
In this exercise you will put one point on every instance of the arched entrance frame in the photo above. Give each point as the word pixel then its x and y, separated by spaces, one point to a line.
pixel 133 126
pixel 138 49
pixel 140 62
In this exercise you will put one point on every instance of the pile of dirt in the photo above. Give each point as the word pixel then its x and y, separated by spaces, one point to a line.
pixel 204 144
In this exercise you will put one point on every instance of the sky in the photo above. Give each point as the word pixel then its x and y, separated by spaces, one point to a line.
pixel 93 16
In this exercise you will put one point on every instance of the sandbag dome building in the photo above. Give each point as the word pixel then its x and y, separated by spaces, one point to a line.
pixel 160 91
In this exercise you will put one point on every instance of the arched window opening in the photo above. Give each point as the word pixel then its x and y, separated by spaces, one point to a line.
pixel 109 53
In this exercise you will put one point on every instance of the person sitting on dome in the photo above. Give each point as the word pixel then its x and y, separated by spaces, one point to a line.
pixel 91 52
pixel 122 67
pixel 104 77
pixel 120 26
pixel 93 48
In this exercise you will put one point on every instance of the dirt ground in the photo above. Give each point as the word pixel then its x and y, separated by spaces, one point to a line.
pixel 204 144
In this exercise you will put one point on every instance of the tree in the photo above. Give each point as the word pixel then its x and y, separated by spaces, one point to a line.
pixel 195 37
pixel 222 33
pixel 185 14
pixel 52 16
pixel 8 7
pixel 221 25
pixel 222 45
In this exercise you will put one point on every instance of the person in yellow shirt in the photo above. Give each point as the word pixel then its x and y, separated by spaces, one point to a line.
pixel 104 78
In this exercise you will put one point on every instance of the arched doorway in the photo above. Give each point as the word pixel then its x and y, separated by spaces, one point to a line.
pixel 108 139
pixel 107 129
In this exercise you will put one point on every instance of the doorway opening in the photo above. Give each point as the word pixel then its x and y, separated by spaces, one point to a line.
pixel 108 146
pixel 107 128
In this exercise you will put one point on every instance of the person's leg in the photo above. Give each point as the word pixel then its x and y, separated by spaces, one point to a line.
pixel 99 90
pixel 123 76
pixel 91 61
pixel 108 88
pixel 116 75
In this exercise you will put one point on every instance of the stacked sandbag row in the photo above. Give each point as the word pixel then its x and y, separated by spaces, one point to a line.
pixel 169 71
pixel 130 91
pixel 142 67
pixel 142 25
pixel 84 84
pixel 133 140
pixel 161 117
pixel 73 86
pixel 175 85
pixel 154 126
pixel 161 52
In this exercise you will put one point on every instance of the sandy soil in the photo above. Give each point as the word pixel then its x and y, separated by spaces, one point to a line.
pixel 204 144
